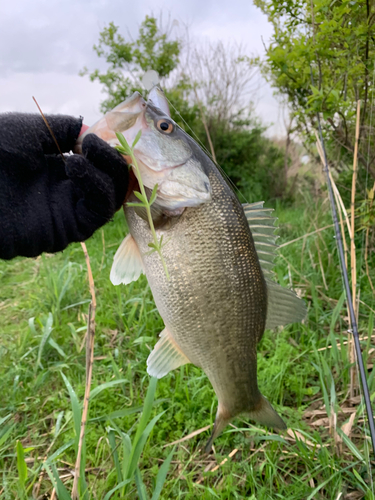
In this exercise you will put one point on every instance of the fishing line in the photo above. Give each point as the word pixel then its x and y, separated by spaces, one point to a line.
pixel 362 258
pixel 344 272
pixel 224 174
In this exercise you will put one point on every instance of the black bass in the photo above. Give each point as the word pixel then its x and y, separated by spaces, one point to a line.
pixel 220 296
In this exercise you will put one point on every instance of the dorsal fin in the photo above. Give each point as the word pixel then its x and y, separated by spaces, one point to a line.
pixel 262 226
pixel 284 306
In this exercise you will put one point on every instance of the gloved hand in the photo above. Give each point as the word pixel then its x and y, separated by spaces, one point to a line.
pixel 46 203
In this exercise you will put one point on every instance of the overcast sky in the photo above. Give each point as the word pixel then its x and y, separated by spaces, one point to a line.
pixel 45 43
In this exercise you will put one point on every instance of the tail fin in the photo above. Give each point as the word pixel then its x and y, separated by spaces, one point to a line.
pixel 264 414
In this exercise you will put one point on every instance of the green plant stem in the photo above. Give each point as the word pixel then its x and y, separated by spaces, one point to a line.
pixel 148 210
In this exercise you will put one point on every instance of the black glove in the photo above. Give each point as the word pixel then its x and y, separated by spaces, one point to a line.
pixel 46 203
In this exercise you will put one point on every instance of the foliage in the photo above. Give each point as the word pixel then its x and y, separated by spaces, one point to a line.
pixel 209 93
pixel 128 60
pixel 40 411
pixel 252 161
pixel 336 40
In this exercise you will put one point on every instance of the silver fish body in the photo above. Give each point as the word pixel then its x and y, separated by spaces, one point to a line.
pixel 214 304
pixel 218 298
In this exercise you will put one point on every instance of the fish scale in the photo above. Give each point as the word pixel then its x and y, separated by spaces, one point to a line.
pixel 215 301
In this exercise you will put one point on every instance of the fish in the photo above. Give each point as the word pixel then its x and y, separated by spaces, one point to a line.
pixel 220 295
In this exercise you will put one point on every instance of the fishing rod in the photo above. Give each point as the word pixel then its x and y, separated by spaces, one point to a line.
pixel 344 272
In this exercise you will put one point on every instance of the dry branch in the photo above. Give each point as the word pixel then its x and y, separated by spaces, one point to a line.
pixel 89 366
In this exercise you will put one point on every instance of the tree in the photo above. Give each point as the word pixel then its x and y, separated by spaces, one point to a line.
pixel 336 40
pixel 209 94
pixel 129 60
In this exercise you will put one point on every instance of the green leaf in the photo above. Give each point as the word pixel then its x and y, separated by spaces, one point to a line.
pixel 60 416
pixel 127 452
pixel 58 452
pixel 112 444
pixel 4 419
pixel 62 492
pixel 97 390
pixel 76 408
pixel 131 204
pixel 5 433
pixel 139 444
pixel 336 311
pixel 142 495
pixel 162 474
pixel 140 197
pixel 21 464
pixel 123 143
pixel 121 150
pixel 137 137
pixel 46 333
pixel 56 346
pixel 153 195
pixel 147 408
pixel 113 490
pixel 349 443
pixel 118 413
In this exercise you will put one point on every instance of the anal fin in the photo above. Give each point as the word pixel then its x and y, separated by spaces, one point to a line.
pixel 127 263
pixel 166 356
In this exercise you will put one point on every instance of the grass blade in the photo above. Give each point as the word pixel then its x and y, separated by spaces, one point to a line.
pixel 58 452
pixel 139 445
pixel 162 474
pixel 77 414
pixel 137 137
pixel 4 433
pixel 142 495
pixel 112 444
pixel 46 333
pixel 147 408
pixel 56 346
pixel 127 452
pixel 349 443
pixel 21 464
pixel 113 490
pixel 104 386
pixel 62 492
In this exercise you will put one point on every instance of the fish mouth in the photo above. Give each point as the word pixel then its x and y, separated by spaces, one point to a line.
pixel 122 117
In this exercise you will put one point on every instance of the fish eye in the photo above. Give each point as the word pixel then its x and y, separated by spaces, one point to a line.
pixel 165 126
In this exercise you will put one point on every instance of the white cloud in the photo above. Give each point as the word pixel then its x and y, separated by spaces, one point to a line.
pixel 44 44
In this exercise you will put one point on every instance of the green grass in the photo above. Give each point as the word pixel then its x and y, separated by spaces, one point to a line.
pixel 43 307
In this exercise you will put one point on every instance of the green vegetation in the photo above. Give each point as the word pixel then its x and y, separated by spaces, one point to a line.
pixel 334 41
pixel 44 305
pixel 304 370
pixel 217 93
pixel 153 49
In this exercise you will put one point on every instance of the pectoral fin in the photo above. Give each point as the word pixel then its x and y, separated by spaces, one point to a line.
pixel 284 306
pixel 127 263
pixel 166 356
